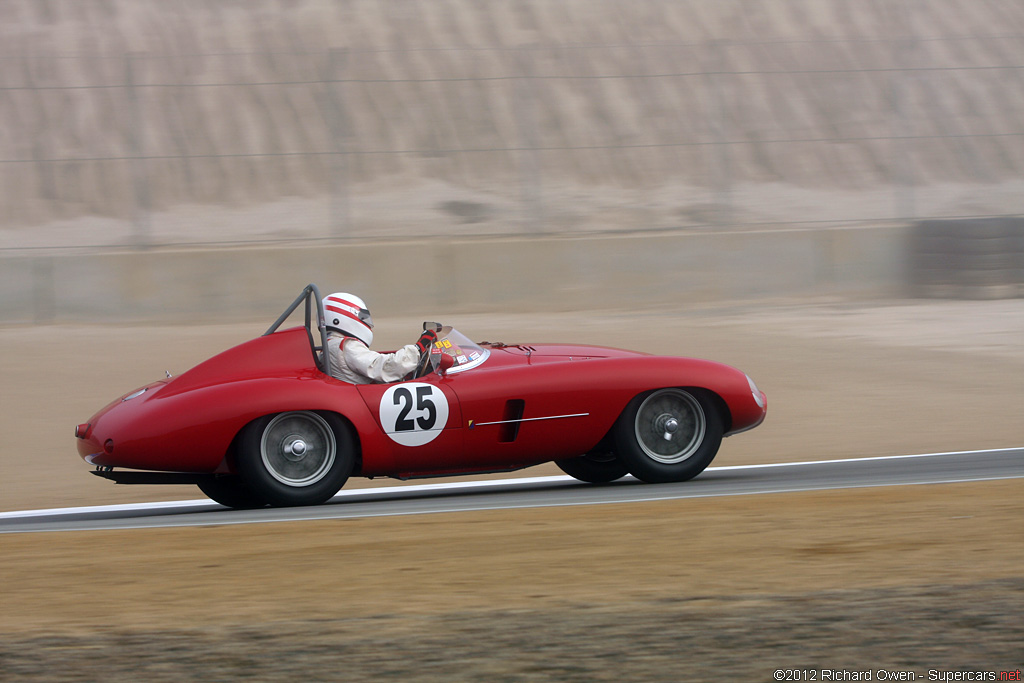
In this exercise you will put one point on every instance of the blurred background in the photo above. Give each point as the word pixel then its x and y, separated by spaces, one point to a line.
pixel 140 126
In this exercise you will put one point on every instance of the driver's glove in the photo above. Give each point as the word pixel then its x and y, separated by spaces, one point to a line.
pixel 426 340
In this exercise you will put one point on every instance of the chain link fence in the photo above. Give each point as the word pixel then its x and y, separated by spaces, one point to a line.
pixel 151 148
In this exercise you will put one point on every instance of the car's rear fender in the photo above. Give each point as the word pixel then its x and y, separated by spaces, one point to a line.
pixel 329 396
pixel 193 431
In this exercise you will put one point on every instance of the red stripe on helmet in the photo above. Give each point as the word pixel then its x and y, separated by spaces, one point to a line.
pixel 342 301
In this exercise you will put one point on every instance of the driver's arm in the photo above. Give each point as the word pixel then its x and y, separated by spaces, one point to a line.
pixel 386 367
pixel 380 367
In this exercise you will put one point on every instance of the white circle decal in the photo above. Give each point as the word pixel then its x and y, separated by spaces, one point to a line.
pixel 413 414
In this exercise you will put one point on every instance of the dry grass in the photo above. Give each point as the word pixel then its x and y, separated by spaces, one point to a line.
pixel 911 576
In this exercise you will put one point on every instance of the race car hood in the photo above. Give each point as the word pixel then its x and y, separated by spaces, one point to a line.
pixel 468 354
pixel 564 351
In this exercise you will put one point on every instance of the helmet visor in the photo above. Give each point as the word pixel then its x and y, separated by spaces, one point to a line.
pixel 365 317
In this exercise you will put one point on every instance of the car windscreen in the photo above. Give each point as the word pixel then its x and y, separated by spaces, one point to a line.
pixel 467 353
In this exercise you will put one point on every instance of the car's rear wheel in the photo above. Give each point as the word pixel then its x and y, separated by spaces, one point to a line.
pixel 594 468
pixel 668 435
pixel 296 458
pixel 230 491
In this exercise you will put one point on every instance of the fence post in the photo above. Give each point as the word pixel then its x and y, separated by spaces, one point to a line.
pixel 717 122
pixel 141 219
pixel 339 177
pixel 525 111
pixel 904 201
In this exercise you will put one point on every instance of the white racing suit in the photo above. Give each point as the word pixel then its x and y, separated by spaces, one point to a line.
pixel 353 361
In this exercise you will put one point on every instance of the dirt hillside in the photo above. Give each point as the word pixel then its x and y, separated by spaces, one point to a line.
pixel 360 118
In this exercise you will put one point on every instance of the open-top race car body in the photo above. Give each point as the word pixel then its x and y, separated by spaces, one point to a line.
pixel 264 423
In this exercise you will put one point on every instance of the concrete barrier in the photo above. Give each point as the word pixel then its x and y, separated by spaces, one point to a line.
pixel 438 276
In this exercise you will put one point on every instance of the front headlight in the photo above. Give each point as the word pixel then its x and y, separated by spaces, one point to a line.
pixel 758 396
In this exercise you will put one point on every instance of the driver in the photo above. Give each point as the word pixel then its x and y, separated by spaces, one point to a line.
pixel 349 335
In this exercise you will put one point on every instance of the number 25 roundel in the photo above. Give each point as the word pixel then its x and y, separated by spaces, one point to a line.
pixel 413 414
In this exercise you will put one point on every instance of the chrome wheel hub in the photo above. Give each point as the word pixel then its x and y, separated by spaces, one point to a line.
pixel 295 450
pixel 667 424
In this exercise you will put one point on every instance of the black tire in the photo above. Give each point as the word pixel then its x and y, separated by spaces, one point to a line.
pixel 690 421
pixel 296 458
pixel 230 491
pixel 594 468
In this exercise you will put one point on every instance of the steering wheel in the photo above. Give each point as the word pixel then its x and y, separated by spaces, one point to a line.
pixel 428 361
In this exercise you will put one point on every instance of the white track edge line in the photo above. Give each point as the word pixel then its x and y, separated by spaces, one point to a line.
pixel 394 490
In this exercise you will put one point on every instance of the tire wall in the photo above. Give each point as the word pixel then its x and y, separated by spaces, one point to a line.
pixel 968 259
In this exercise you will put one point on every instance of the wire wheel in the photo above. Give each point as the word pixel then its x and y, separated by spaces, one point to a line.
pixel 298 449
pixel 670 425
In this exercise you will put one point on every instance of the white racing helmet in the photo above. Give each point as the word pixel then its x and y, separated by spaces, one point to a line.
pixel 348 313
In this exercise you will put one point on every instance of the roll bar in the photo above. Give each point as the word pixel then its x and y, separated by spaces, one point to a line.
pixel 310 294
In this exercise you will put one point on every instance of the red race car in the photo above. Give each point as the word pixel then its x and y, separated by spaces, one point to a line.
pixel 264 423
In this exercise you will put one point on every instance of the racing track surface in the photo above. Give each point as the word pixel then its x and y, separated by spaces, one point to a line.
pixel 931 468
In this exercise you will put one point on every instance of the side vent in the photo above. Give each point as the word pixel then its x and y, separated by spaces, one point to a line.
pixel 513 413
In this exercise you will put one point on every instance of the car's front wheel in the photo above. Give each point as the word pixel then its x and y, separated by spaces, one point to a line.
pixel 296 458
pixel 668 435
